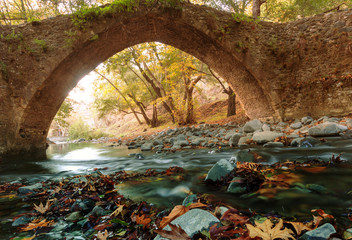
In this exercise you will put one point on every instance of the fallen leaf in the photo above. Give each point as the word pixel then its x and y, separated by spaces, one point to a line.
pixel 178 211
pixel 266 231
pixel 143 220
pixel 117 211
pixel 103 236
pixel 35 224
pixel 41 208
pixel 322 213
pixel 232 216
pixel 299 227
pixel 176 233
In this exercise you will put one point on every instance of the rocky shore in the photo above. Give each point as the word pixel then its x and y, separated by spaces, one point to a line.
pixel 305 132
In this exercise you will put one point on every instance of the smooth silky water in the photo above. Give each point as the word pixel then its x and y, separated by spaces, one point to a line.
pixel 166 191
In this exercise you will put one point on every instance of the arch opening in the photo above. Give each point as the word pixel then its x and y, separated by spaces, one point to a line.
pixel 45 102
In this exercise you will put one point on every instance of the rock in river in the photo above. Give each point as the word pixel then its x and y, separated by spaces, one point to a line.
pixel 193 221
pixel 220 169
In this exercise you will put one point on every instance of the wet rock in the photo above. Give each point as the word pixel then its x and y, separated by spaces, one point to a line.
pixel 252 126
pixel 296 125
pixel 147 146
pixel 273 144
pixel 181 143
pixel 189 199
pixel 236 186
pixel 234 139
pixel 307 120
pixel 244 156
pixel 243 140
pixel 321 233
pixel 308 142
pixel 317 188
pixel 29 189
pixel 219 170
pixel 157 142
pixel 78 180
pixel 193 221
pixel 21 221
pixel 229 135
pixel 326 129
pixel 263 137
pixel 266 127
pixel 74 217
pixel 98 211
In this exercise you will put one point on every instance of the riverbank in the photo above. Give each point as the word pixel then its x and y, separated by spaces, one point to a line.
pixel 305 132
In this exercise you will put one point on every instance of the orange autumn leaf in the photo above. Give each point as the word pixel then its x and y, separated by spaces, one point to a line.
pixel 142 220
pixel 35 224
pixel 322 213
pixel 178 211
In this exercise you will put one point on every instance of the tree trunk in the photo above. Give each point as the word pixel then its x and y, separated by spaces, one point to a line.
pixel 231 102
pixel 256 8
pixel 156 89
pixel 142 108
pixel 190 107
pixel 154 122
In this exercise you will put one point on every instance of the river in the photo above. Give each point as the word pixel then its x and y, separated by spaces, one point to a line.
pixel 82 158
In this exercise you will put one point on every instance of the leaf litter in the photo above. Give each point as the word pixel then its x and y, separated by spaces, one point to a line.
pixel 121 218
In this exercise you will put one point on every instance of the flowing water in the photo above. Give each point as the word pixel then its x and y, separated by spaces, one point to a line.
pixel 72 159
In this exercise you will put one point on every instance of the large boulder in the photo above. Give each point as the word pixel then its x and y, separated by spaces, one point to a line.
pixel 234 139
pixel 252 126
pixel 30 189
pixel 193 221
pixel 219 170
pixel 321 233
pixel 264 137
pixel 326 129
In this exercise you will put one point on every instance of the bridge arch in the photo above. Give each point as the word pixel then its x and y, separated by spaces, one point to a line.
pixel 47 99
pixel 276 69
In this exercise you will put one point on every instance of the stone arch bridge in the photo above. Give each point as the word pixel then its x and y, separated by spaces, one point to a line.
pixel 278 71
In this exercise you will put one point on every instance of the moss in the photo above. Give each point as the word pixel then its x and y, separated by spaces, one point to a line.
pixel 42 44
pixel 4 72
pixel 86 15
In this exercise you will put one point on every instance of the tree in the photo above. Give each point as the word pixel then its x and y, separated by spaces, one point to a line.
pixel 62 115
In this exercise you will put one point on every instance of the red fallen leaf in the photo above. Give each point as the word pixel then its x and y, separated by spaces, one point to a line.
pixel 233 216
pixel 312 170
pixel 133 236
pixel 102 226
pixel 223 231
pixel 322 213
pixel 176 233
pixel 172 170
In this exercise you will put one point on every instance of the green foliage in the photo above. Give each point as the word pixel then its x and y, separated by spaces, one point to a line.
pixel 288 10
pixel 42 44
pixel 86 14
pixel 71 38
pixel 79 129
pixel 94 37
pixel 13 36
